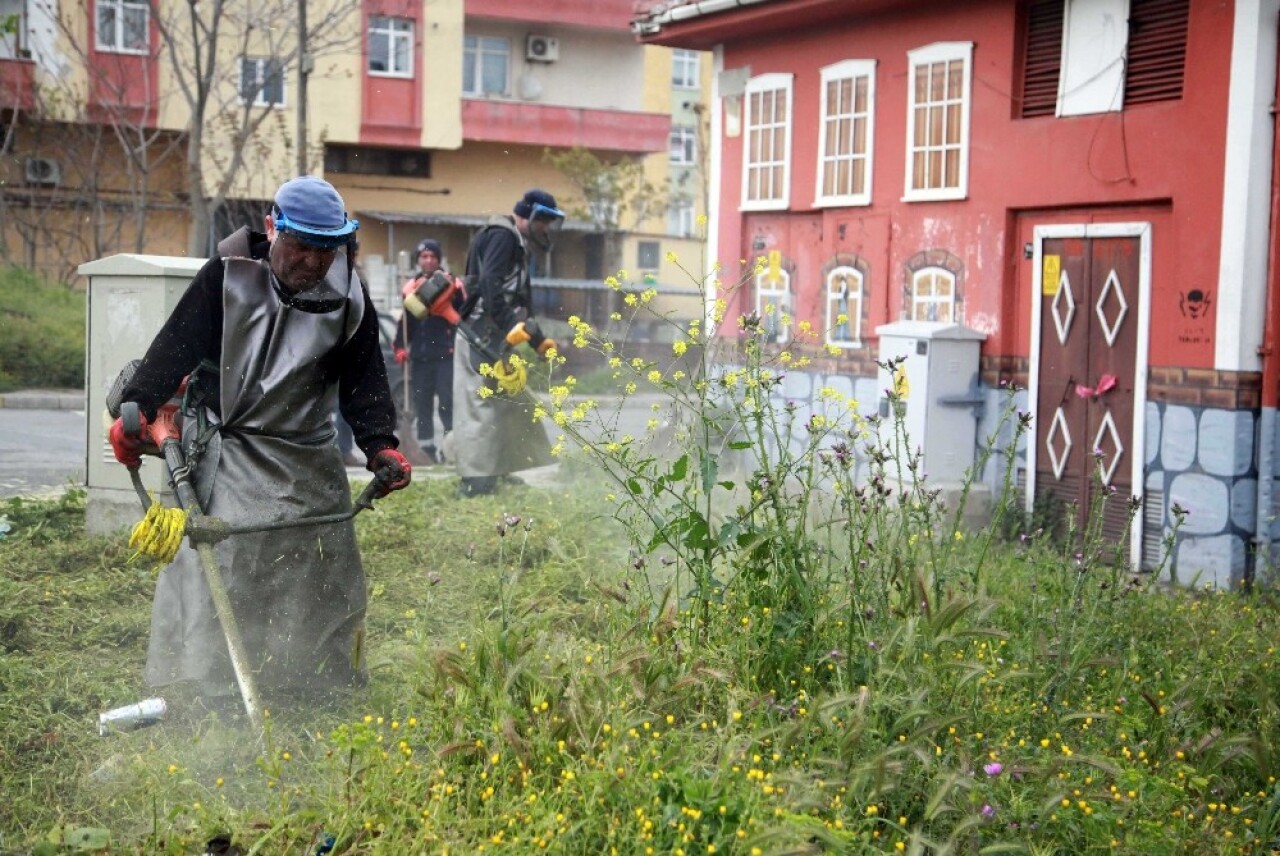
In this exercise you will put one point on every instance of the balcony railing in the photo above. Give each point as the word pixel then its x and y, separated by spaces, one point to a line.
pixel 565 127
pixel 17 84
pixel 591 14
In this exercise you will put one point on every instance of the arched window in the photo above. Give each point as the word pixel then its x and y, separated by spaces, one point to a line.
pixel 933 294
pixel 773 301
pixel 844 307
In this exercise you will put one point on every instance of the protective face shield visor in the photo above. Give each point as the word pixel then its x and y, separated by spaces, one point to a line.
pixel 544 225
pixel 322 239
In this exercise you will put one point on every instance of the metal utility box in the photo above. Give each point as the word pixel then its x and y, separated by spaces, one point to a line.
pixel 937 381
pixel 130 296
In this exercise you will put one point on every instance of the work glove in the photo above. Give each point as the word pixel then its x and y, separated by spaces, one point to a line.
pixel 528 331
pixel 517 334
pixel 394 470
pixel 402 356
pixel 128 450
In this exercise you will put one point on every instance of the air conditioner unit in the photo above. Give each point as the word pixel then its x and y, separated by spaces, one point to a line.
pixel 45 172
pixel 541 48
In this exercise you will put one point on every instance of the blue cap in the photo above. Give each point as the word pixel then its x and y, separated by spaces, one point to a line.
pixel 310 208
pixel 537 204
pixel 428 244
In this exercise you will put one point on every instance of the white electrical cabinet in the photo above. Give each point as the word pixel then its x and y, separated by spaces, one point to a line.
pixel 129 298
pixel 937 382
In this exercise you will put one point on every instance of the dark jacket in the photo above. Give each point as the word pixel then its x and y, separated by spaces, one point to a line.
pixel 498 271
pixel 194 333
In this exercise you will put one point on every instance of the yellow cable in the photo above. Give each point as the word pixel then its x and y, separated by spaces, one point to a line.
pixel 159 534
pixel 511 378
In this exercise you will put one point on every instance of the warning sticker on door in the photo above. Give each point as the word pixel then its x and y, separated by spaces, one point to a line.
pixel 1051 276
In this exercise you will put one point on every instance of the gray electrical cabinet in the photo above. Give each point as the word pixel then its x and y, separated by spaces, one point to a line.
pixel 129 298
pixel 937 381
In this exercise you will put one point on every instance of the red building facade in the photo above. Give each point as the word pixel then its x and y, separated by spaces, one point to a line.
pixel 1089 185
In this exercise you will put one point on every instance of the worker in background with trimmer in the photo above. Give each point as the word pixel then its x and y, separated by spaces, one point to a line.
pixel 428 350
pixel 494 433
pixel 273 331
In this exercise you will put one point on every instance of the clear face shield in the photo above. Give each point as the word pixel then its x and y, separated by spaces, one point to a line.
pixel 544 225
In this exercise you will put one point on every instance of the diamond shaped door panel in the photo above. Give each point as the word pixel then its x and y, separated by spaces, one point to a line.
pixel 1109 446
pixel 1058 443
pixel 1064 308
pixel 1112 307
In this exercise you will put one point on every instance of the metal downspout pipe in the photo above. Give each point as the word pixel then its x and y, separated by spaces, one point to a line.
pixel 1270 393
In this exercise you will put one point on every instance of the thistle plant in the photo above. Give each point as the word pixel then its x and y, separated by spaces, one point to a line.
pixel 749 512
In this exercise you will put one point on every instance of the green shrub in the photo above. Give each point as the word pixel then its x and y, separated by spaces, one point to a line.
pixel 43 344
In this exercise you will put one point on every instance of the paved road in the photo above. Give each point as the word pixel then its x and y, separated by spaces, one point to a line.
pixel 40 451
pixel 43 450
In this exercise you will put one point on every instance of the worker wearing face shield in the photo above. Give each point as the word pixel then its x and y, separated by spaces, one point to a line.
pixel 494 432
pixel 274 332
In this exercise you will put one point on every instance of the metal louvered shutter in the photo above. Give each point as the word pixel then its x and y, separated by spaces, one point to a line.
pixel 1042 63
pixel 1157 55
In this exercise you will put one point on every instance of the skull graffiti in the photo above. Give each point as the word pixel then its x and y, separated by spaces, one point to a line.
pixel 1194 303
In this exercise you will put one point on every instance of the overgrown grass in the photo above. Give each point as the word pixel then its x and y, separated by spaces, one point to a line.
pixel 43 342
pixel 525 698
pixel 746 626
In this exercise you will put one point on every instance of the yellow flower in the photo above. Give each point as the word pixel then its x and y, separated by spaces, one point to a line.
pixel 671 256
pixel 631 300
pixel 679 348
pixel 655 376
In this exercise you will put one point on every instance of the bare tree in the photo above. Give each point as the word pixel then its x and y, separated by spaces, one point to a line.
pixel 615 193
pixel 78 186
pixel 216 79
pixel 230 128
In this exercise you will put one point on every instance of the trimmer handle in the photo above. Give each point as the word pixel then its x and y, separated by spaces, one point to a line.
pixel 131 418
pixel 156 433
pixel 375 489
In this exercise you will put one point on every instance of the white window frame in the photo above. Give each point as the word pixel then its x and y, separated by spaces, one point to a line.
pixel 852 306
pixel 13 45
pixel 396 32
pixel 476 54
pixel 924 58
pixel 122 8
pixel 682 218
pixel 779 294
pixel 686 69
pixel 920 304
pixel 260 67
pixel 847 72
pixel 682 145
pixel 760 86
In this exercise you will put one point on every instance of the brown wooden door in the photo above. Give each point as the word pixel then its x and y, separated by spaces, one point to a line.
pixel 1088 368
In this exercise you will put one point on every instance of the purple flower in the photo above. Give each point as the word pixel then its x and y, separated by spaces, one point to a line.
pixel 995 768
pixel 988 812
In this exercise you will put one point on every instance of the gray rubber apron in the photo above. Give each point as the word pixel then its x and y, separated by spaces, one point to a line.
pixel 298 593
pixel 496 435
